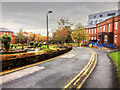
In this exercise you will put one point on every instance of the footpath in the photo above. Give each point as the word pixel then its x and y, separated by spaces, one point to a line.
pixel 104 75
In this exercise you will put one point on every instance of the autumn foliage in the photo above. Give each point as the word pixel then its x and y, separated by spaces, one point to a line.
pixel 61 35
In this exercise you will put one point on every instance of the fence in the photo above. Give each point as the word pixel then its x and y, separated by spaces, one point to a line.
pixel 104 45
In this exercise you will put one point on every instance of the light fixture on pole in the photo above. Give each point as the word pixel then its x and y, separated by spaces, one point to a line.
pixel 47 29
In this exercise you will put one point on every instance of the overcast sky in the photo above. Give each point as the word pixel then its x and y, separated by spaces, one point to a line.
pixel 31 16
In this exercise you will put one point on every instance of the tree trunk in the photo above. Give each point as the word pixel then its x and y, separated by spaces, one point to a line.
pixel 78 43
pixel 61 43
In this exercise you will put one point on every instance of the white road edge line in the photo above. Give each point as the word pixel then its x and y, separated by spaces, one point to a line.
pixel 19 74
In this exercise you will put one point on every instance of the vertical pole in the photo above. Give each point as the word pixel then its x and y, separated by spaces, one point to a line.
pixel 47 32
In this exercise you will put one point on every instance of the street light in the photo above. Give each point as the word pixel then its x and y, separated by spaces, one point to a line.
pixel 47 29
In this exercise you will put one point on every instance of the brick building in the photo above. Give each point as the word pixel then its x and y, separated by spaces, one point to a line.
pixel 107 31
pixel 10 33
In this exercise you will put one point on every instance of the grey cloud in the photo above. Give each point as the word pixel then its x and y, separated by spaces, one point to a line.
pixel 32 15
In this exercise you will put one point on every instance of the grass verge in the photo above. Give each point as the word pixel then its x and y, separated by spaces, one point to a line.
pixel 115 56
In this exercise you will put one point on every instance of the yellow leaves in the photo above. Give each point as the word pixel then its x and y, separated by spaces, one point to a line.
pixel 38 37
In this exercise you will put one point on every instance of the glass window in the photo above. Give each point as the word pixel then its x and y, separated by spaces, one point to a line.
pixel 100 29
pixel 89 31
pixel 92 31
pixel 10 34
pixel 115 39
pixel 101 15
pixel 108 27
pixel 95 38
pixel 91 38
pixel 103 28
pixel 105 39
pixel 116 25
pixel 95 30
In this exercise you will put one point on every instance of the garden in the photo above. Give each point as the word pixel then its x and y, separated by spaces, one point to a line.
pixel 32 48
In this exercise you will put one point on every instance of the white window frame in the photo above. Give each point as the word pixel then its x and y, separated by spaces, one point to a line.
pixel 91 38
pixel 115 39
pixel 116 24
pixel 95 38
pixel 105 38
pixel 104 28
pixel 95 30
pixel 92 31
pixel 108 27
pixel 89 31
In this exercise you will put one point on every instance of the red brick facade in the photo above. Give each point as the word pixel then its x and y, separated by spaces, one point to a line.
pixel 10 33
pixel 105 32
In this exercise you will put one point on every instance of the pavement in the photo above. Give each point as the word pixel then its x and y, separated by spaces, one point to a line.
pixel 104 75
pixel 52 74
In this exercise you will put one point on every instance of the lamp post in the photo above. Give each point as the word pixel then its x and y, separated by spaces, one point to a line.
pixel 47 29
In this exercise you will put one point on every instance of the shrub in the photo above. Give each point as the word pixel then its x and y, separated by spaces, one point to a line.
pixel 39 45
pixel 35 44
pixel 31 43
pixel 18 60
pixel 47 50
pixel 6 41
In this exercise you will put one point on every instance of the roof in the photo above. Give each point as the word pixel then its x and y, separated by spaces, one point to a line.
pixel 25 32
pixel 5 30
pixel 90 26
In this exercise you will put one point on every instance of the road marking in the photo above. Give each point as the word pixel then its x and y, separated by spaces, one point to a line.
pixel 68 56
pixel 19 74
pixel 86 67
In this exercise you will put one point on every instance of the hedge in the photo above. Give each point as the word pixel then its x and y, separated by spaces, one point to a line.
pixel 18 60
pixel 13 52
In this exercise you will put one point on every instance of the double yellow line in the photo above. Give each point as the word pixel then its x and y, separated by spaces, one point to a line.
pixel 82 73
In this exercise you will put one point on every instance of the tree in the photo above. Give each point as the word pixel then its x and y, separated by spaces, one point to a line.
pixel 63 22
pixel 38 37
pixel 20 38
pixel 32 36
pixel 6 41
pixel 79 34
pixel 61 35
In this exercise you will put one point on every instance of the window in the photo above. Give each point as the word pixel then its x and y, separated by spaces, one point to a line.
pixel 100 29
pixel 91 38
pixel 115 25
pixel 95 21
pixel 1 33
pixel 115 39
pixel 111 14
pixel 89 31
pixel 105 39
pixel 100 20
pixel 95 30
pixel 108 27
pixel 91 22
pixel 103 28
pixel 10 34
pixel 92 31
pixel 86 31
pixel 101 15
pixel 95 38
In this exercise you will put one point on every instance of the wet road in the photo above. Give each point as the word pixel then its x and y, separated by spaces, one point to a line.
pixel 52 74
pixel 104 75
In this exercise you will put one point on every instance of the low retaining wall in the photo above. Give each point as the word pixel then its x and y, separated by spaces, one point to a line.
pixel 18 62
